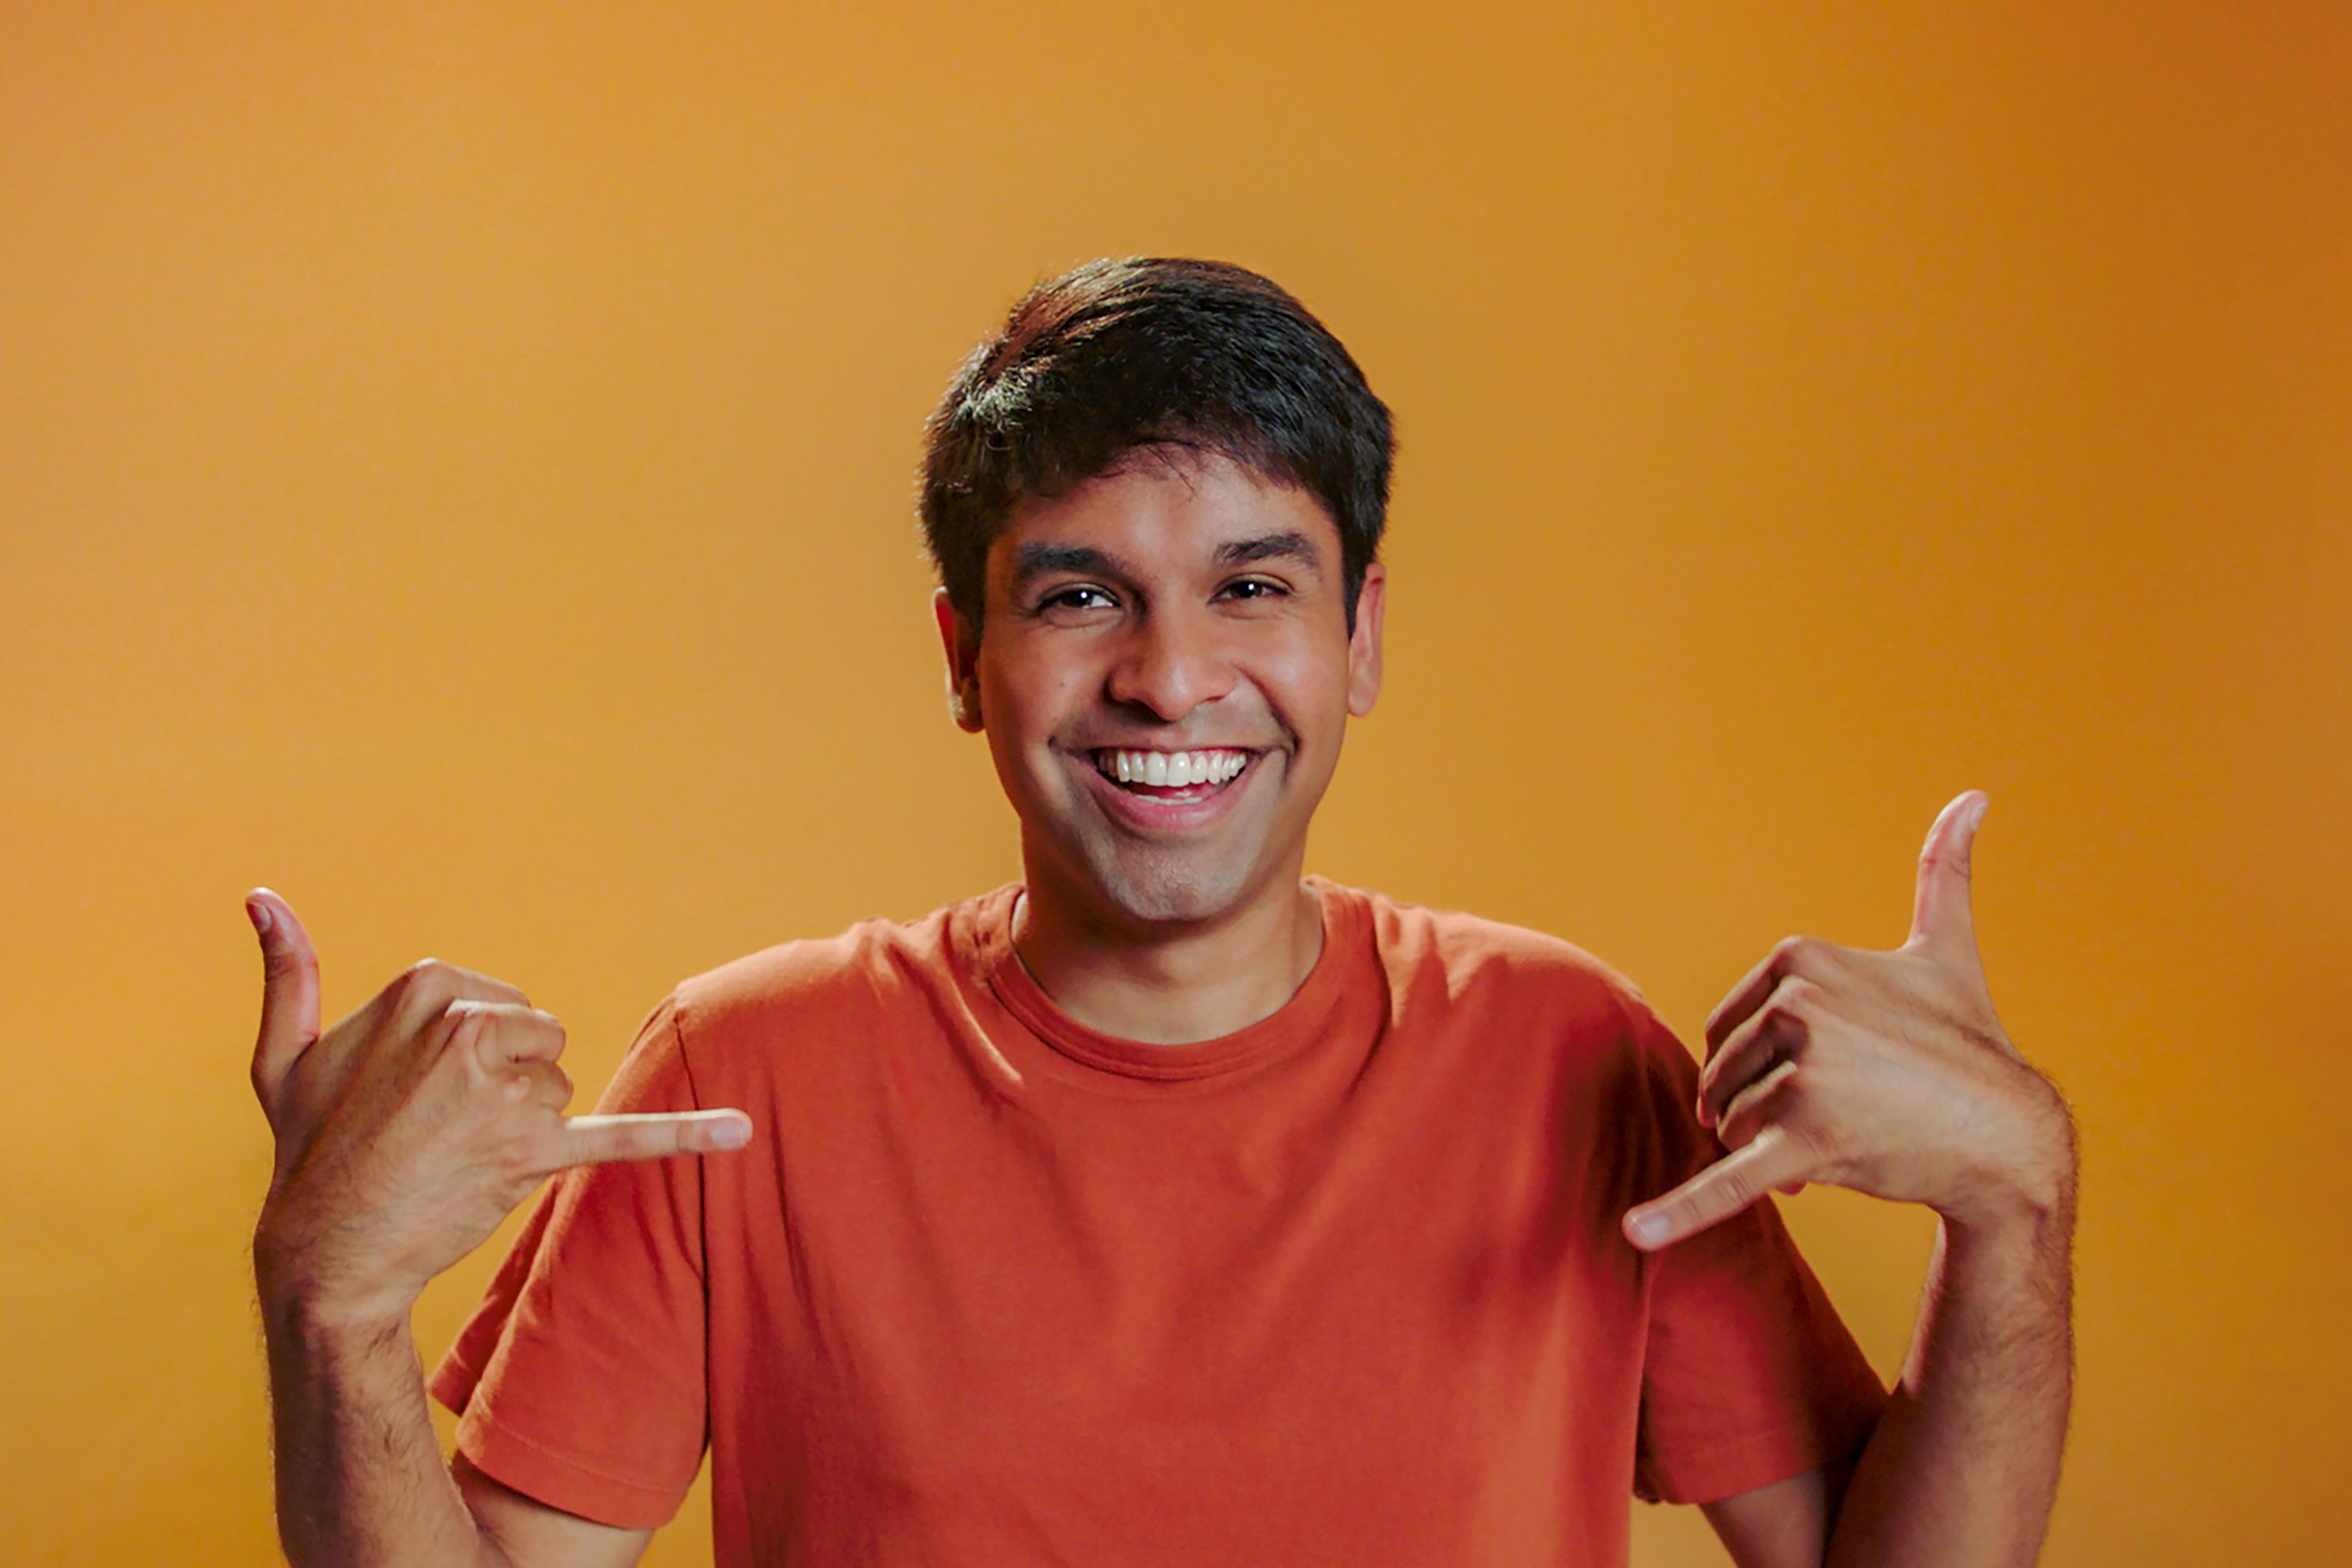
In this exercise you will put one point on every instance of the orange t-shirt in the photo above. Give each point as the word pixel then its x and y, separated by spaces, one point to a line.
pixel 990 1287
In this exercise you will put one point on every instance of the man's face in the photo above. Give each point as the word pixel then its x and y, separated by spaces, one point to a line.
pixel 1164 672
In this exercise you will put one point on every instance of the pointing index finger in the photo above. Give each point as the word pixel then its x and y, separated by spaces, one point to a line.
pixel 1732 1183
pixel 601 1140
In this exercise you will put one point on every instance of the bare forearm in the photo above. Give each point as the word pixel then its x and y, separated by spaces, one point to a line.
pixel 1963 1469
pixel 360 1479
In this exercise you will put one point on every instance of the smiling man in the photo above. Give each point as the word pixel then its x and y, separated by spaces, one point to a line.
pixel 1171 1206
pixel 1164 670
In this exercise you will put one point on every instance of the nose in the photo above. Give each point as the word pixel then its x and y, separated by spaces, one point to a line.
pixel 1170 664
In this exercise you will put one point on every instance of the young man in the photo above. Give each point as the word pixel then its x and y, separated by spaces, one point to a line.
pixel 1172 1206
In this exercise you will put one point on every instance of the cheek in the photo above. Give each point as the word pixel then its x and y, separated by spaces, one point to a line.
pixel 1025 703
pixel 1306 685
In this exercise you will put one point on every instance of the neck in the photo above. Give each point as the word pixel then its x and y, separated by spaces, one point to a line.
pixel 1173 985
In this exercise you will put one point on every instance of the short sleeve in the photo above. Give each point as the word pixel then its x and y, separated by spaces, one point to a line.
pixel 1749 1377
pixel 579 1379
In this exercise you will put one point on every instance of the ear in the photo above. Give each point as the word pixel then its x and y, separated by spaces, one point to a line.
pixel 961 646
pixel 1364 643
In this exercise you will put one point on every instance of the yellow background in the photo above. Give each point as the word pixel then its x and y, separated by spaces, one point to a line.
pixel 456 459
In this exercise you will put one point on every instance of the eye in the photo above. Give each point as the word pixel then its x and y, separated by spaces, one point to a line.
pixel 1254 588
pixel 1076 597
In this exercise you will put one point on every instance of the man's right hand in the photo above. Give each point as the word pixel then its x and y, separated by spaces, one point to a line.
pixel 407 1132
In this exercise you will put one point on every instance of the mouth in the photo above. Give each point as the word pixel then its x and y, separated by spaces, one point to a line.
pixel 1175 777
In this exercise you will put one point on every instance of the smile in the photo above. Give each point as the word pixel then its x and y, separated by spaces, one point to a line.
pixel 1171 771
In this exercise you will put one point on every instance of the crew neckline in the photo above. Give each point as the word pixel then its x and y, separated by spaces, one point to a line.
pixel 1297 1023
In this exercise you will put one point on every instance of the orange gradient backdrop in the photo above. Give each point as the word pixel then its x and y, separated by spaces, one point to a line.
pixel 456 468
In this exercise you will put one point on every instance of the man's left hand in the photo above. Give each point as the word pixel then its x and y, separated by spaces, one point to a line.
pixel 1885 1072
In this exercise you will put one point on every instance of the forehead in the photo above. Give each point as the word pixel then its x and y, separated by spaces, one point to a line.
pixel 1168 508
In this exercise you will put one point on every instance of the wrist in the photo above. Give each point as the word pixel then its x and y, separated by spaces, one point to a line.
pixel 312 1304
pixel 2029 1198
pixel 2026 1233
pixel 322 1321
pixel 2024 1184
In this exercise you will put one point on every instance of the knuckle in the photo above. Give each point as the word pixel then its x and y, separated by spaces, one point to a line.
pixel 423 982
pixel 610 1141
pixel 463 1023
pixel 1784 1023
pixel 1805 957
pixel 1941 854
pixel 1737 1190
pixel 469 1037
pixel 1801 995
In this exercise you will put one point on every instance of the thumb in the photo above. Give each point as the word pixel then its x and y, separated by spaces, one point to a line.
pixel 1940 914
pixel 290 991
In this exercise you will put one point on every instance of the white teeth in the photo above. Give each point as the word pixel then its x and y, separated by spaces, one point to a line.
pixel 1175 770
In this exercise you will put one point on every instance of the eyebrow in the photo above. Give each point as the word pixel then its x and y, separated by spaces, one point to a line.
pixel 1032 561
pixel 1289 545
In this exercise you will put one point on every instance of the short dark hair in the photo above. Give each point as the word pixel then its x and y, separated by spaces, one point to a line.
pixel 1138 351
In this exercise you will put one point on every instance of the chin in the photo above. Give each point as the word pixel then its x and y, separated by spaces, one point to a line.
pixel 1168 891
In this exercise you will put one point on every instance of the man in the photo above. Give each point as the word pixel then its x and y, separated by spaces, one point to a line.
pixel 1171 1206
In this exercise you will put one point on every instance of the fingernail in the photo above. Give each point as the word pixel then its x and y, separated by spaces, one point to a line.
pixel 258 913
pixel 1977 814
pixel 731 1134
pixel 1648 1230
